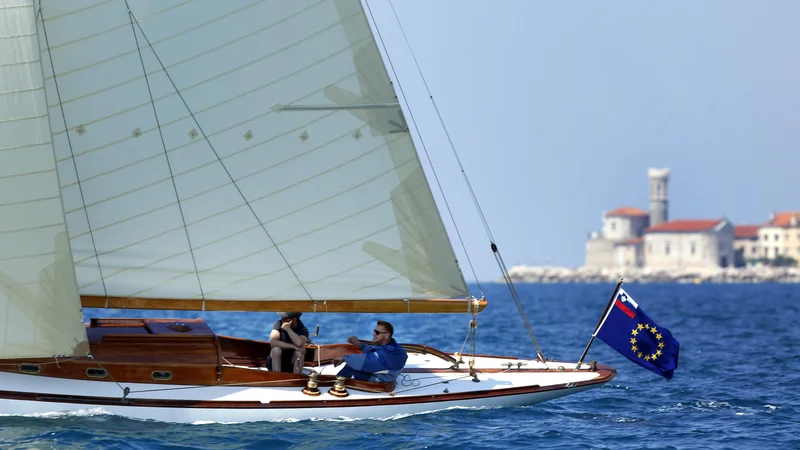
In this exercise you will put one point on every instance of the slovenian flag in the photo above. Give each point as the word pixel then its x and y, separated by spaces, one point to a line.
pixel 626 304
pixel 628 330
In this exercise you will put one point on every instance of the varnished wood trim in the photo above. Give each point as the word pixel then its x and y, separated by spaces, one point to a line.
pixel 605 376
pixel 424 349
pixel 436 305
pixel 96 301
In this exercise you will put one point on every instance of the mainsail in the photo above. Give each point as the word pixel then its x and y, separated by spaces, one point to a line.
pixel 236 152
pixel 39 305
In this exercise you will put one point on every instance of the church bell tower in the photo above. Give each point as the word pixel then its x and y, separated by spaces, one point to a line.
pixel 658 196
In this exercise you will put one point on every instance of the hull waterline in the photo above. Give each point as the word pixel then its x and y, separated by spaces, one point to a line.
pixel 157 369
pixel 29 394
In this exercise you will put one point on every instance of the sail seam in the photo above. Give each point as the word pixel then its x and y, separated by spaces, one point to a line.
pixel 40 227
pixel 14 36
pixel 40 14
pixel 218 132
pixel 295 211
pixel 21 147
pixel 318 229
pixel 20 175
pixel 425 149
pixel 19 63
pixel 222 163
pixel 315 256
pixel 17 119
pixel 168 38
pixel 118 27
pixel 371 260
pixel 38 255
pixel 361 238
pixel 22 202
pixel 28 283
pixel 196 168
pixel 215 188
pixel 278 218
pixel 373 150
pixel 77 11
pixel 178 63
pixel 162 283
pixel 200 83
pixel 166 154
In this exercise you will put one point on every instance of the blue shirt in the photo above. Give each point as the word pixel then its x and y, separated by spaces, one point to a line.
pixel 384 362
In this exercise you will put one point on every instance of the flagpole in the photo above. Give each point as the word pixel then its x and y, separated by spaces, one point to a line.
pixel 599 322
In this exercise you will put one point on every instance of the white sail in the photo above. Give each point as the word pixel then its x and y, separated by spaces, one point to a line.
pixel 273 162
pixel 40 312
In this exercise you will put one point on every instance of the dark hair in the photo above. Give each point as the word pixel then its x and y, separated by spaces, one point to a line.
pixel 388 327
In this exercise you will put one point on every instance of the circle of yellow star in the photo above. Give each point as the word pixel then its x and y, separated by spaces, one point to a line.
pixel 635 348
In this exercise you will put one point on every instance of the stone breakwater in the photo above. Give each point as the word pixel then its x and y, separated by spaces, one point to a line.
pixel 531 274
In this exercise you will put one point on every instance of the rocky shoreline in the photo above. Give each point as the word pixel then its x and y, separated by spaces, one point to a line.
pixel 531 274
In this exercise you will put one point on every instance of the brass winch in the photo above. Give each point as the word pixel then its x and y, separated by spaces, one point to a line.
pixel 338 389
pixel 311 386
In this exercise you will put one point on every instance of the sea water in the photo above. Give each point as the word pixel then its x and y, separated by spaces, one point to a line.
pixel 737 384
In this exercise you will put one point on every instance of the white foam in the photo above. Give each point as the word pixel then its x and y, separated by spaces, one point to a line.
pixel 88 412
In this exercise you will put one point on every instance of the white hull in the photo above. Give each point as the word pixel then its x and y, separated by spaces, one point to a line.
pixel 416 392
pixel 204 415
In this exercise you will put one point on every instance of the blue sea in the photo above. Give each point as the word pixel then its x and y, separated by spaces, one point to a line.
pixel 737 385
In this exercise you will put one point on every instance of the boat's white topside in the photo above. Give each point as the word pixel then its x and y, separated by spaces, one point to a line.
pixel 415 392
pixel 408 384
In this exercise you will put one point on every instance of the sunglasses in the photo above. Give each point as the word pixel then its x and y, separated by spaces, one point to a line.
pixel 379 332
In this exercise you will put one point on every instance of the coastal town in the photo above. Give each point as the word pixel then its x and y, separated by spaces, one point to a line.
pixel 631 237
pixel 647 246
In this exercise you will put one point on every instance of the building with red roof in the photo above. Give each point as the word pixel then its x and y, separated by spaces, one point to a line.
pixel 702 243
pixel 620 242
pixel 745 244
pixel 746 232
pixel 632 237
pixel 627 211
pixel 780 236
pixel 786 219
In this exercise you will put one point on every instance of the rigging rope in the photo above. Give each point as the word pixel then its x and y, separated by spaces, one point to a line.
pixel 411 381
pixel 211 146
pixel 498 257
pixel 166 154
pixel 40 14
pixel 425 149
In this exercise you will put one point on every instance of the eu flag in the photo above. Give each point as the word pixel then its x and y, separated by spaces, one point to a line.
pixel 628 330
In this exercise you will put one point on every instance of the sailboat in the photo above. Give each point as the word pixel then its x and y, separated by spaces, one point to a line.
pixel 189 155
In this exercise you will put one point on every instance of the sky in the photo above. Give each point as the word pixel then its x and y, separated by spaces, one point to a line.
pixel 557 110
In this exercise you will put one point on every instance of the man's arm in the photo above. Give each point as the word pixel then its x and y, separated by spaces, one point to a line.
pixel 368 361
pixel 298 340
pixel 275 341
